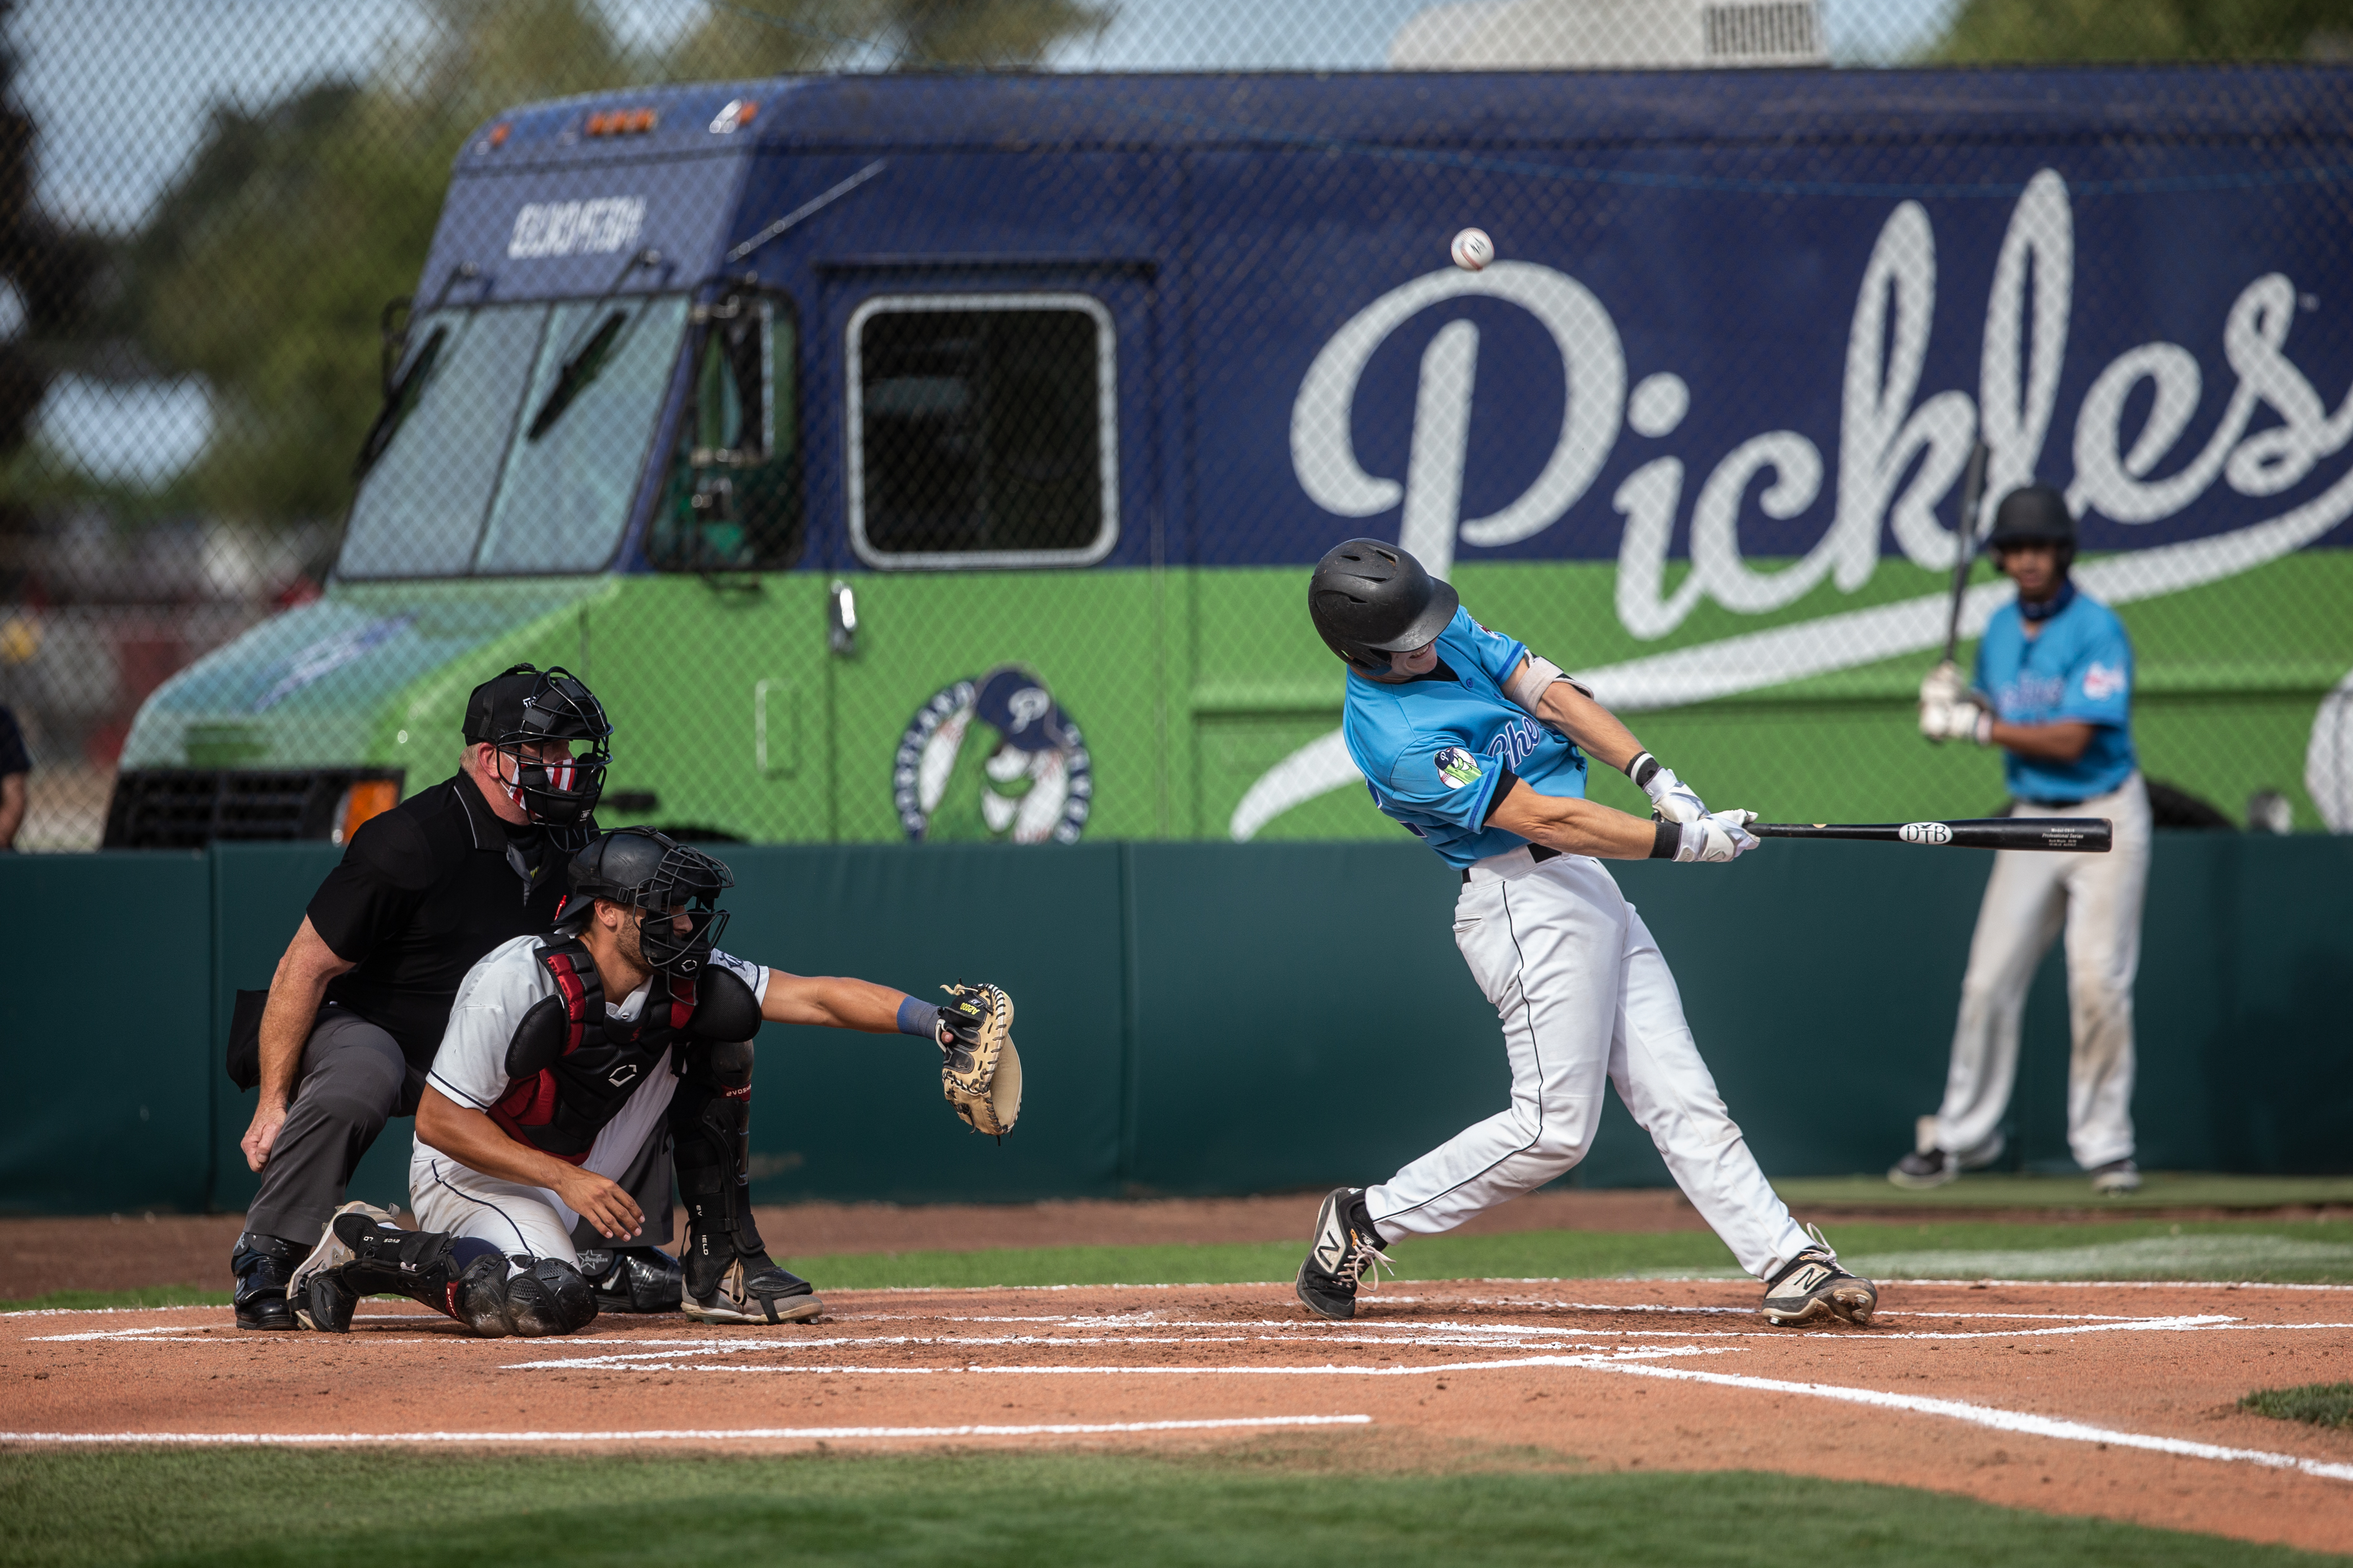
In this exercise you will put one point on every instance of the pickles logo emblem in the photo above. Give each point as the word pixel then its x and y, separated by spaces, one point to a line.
pixel 1457 767
pixel 995 759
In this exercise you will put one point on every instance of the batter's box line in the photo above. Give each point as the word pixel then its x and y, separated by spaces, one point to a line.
pixel 1593 1355
pixel 2019 1422
pixel 756 1434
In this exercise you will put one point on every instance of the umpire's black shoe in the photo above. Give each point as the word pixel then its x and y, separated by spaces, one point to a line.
pixel 262 1265
pixel 633 1278
pixel 1345 1246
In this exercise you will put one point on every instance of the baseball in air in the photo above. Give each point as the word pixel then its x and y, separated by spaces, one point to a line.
pixel 1473 249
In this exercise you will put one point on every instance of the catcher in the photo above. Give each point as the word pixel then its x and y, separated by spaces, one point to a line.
pixel 563 1054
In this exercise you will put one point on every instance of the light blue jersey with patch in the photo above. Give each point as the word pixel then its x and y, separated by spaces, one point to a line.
pixel 1434 749
pixel 2079 668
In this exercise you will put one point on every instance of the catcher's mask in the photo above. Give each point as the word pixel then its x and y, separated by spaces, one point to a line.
pixel 661 878
pixel 527 706
pixel 1369 600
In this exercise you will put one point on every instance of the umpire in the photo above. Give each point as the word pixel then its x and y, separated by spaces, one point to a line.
pixel 362 997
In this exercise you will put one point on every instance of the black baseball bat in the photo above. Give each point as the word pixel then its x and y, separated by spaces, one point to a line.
pixel 2080 835
pixel 1964 539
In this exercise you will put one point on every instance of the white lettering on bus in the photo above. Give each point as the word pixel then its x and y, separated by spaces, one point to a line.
pixel 595 227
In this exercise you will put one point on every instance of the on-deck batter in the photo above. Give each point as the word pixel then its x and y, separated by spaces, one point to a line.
pixel 1480 748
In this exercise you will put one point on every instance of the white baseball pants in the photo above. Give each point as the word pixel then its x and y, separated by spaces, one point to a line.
pixel 461 1201
pixel 1582 995
pixel 2029 898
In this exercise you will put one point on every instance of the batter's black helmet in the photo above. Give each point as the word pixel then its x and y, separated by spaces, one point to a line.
pixel 655 874
pixel 1370 600
pixel 527 706
pixel 2034 515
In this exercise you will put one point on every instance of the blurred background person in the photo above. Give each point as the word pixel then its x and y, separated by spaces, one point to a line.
pixel 2054 690
pixel 15 766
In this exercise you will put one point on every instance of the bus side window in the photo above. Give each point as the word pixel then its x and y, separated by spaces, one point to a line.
pixel 732 499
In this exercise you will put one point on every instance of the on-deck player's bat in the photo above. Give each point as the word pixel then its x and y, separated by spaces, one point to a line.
pixel 2091 834
pixel 1964 540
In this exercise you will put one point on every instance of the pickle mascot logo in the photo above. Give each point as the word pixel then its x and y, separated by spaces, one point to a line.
pixel 993 759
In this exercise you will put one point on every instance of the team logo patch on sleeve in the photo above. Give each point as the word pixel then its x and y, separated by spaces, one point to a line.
pixel 2102 681
pixel 1457 767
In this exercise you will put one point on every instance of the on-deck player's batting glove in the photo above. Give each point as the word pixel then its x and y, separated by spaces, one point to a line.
pixel 980 1072
pixel 1964 720
pixel 1943 684
pixel 1717 837
pixel 1672 800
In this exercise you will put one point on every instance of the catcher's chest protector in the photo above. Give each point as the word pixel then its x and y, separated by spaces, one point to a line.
pixel 573 1066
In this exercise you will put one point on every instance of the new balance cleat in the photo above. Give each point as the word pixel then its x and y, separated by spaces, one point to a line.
pixel 1345 1246
pixel 1812 1289
pixel 755 1291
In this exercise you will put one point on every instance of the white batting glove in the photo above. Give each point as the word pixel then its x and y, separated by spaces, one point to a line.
pixel 1961 721
pixel 1944 685
pixel 1718 836
pixel 1671 798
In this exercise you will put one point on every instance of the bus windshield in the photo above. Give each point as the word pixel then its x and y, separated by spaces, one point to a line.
pixel 522 449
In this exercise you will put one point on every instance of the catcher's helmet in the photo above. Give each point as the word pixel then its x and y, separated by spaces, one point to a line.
pixel 1370 600
pixel 2036 514
pixel 526 706
pixel 653 873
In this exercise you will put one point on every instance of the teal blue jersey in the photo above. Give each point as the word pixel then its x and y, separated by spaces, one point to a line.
pixel 1436 751
pixel 2079 668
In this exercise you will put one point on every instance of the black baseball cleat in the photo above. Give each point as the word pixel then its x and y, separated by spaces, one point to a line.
pixel 1345 1246
pixel 331 1310
pixel 755 1291
pixel 1918 1171
pixel 633 1278
pixel 1812 1289
pixel 262 1265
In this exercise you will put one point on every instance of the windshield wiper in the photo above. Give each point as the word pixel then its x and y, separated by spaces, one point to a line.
pixel 399 402
pixel 578 371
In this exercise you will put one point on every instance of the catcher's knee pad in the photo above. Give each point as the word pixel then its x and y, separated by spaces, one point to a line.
pixel 549 1298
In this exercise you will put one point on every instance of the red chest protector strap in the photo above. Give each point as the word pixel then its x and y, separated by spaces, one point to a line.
pixel 570 1067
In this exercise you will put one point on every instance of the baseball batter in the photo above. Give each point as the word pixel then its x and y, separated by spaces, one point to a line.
pixel 1478 747
pixel 565 1054
pixel 2054 690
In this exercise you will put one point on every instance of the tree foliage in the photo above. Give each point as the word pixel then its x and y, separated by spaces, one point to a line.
pixel 266 266
pixel 2013 30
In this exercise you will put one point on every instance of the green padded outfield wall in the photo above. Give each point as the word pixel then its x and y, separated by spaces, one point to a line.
pixel 1212 1019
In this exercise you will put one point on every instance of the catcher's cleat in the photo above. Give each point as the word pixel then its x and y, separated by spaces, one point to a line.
pixel 262 1265
pixel 332 1252
pixel 755 1291
pixel 632 1278
pixel 1345 1247
pixel 1812 1287
pixel 2117 1179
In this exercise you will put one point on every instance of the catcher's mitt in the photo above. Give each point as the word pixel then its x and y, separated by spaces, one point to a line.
pixel 980 1072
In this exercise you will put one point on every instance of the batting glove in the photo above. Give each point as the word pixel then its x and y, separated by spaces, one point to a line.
pixel 1944 685
pixel 1719 836
pixel 1962 720
pixel 1672 800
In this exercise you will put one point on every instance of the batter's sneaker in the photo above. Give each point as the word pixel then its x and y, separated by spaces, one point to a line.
pixel 2117 1179
pixel 755 1291
pixel 1345 1246
pixel 1813 1288
pixel 632 1278
pixel 262 1265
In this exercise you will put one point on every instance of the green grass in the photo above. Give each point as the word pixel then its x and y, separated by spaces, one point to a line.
pixel 2322 1403
pixel 1279 1502
pixel 2004 1189
pixel 2304 1251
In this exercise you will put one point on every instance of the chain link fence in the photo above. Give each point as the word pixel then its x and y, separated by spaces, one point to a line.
pixel 916 419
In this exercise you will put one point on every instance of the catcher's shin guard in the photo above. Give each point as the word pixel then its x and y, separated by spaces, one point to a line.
pixel 710 1118
pixel 364 1255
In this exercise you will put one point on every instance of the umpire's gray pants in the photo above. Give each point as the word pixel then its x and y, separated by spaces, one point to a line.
pixel 354 1079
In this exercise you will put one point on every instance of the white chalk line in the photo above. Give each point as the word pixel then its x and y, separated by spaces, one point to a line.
pixel 821 1434
pixel 1434 1369
pixel 1999 1420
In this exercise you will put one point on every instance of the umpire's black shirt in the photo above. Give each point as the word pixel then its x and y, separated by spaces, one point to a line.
pixel 423 892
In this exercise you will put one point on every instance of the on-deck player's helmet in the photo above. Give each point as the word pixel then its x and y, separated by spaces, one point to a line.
pixel 1370 600
pixel 653 873
pixel 527 706
pixel 2036 514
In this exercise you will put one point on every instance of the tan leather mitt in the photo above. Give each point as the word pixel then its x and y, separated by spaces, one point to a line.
pixel 980 1072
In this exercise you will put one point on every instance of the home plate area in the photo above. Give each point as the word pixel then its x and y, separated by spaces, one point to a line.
pixel 2118 1400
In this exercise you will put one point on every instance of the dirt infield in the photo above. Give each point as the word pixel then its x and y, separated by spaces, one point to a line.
pixel 2111 1400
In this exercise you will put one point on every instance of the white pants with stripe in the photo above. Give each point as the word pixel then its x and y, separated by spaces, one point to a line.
pixel 1584 996
pixel 2029 898
pixel 518 1219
